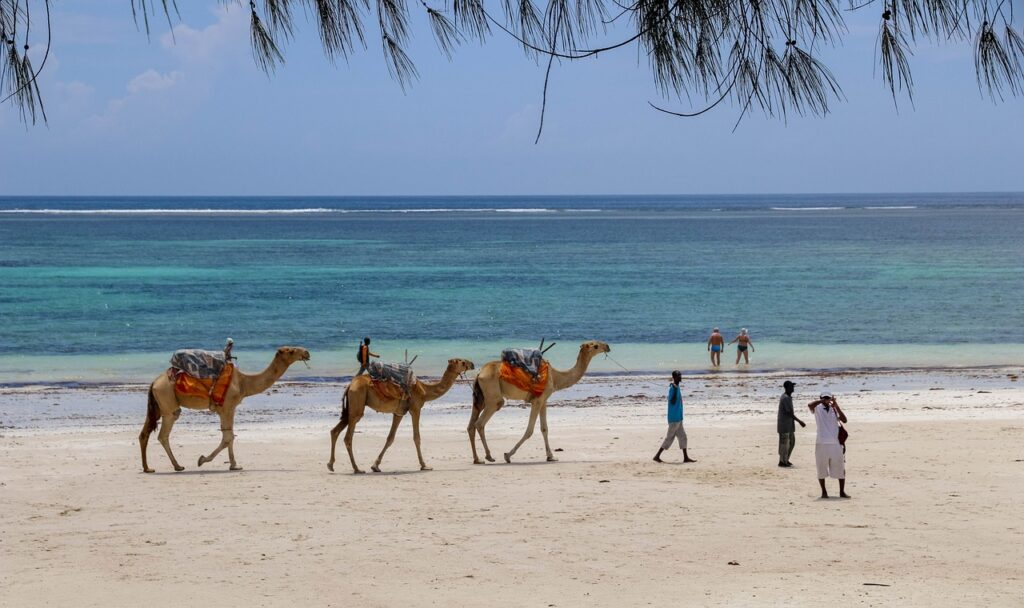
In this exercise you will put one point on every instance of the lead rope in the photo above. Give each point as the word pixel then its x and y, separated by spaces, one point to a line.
pixel 607 356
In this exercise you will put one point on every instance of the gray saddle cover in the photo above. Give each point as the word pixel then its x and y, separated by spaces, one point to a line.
pixel 528 359
pixel 399 374
pixel 204 364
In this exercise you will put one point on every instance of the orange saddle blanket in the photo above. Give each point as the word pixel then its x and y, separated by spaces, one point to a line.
pixel 213 389
pixel 387 391
pixel 523 380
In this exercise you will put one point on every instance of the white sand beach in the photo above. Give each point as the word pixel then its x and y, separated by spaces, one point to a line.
pixel 937 479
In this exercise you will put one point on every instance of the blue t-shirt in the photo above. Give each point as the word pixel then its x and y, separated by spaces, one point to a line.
pixel 675 404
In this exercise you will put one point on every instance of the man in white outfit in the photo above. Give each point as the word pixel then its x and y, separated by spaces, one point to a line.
pixel 828 453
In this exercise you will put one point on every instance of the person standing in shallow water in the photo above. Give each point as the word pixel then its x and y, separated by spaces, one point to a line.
pixel 785 426
pixel 716 344
pixel 743 344
pixel 675 419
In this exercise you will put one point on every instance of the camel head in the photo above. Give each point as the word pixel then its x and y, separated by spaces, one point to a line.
pixel 291 354
pixel 593 348
pixel 460 366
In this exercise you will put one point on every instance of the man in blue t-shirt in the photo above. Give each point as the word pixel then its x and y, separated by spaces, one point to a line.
pixel 675 419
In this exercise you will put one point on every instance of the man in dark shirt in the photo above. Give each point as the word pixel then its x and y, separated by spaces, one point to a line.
pixel 786 428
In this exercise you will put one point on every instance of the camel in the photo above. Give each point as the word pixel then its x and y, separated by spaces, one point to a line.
pixel 360 394
pixel 490 391
pixel 165 404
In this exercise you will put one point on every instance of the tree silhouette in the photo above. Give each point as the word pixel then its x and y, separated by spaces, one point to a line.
pixel 755 54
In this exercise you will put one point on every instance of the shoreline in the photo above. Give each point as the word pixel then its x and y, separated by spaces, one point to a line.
pixel 1012 372
pixel 627 359
pixel 952 393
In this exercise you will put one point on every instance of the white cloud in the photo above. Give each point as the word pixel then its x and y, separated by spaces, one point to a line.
pixel 151 80
pixel 146 88
pixel 198 54
pixel 75 88
pixel 226 36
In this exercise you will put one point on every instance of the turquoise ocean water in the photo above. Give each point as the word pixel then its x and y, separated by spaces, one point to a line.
pixel 104 289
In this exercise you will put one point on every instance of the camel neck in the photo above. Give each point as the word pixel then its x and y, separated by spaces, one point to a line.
pixel 257 383
pixel 569 377
pixel 434 390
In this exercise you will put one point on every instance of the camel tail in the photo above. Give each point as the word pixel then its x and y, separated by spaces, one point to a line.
pixel 344 406
pixel 478 395
pixel 152 414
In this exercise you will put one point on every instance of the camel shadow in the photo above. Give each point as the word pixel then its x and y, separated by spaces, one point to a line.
pixel 370 474
pixel 533 463
pixel 217 472
pixel 393 473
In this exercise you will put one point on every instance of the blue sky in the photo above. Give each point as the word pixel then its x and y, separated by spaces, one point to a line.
pixel 193 115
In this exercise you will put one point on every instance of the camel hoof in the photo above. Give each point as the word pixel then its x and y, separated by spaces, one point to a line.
pixel 552 459
pixel 375 469
pixel 330 467
pixel 424 467
pixel 508 458
pixel 202 461
pixel 478 461
pixel 358 472
pixel 489 458
pixel 179 468
pixel 234 467
pixel 148 470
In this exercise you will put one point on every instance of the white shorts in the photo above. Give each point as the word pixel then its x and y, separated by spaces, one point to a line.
pixel 830 460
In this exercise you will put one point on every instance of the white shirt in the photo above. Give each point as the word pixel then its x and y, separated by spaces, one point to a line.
pixel 827 422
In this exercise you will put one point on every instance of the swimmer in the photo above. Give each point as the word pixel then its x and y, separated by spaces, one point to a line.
pixel 743 344
pixel 716 344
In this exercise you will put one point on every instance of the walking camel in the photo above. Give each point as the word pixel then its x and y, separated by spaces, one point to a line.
pixel 360 394
pixel 165 405
pixel 490 392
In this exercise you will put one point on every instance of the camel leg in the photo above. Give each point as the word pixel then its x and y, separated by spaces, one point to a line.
pixel 481 423
pixel 395 421
pixel 152 414
pixel 544 432
pixel 348 443
pixel 227 427
pixel 231 452
pixel 471 429
pixel 534 410
pixel 226 437
pixel 164 437
pixel 335 433
pixel 416 439
pixel 143 442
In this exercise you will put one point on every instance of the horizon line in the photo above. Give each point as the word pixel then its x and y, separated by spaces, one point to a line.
pixel 535 195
